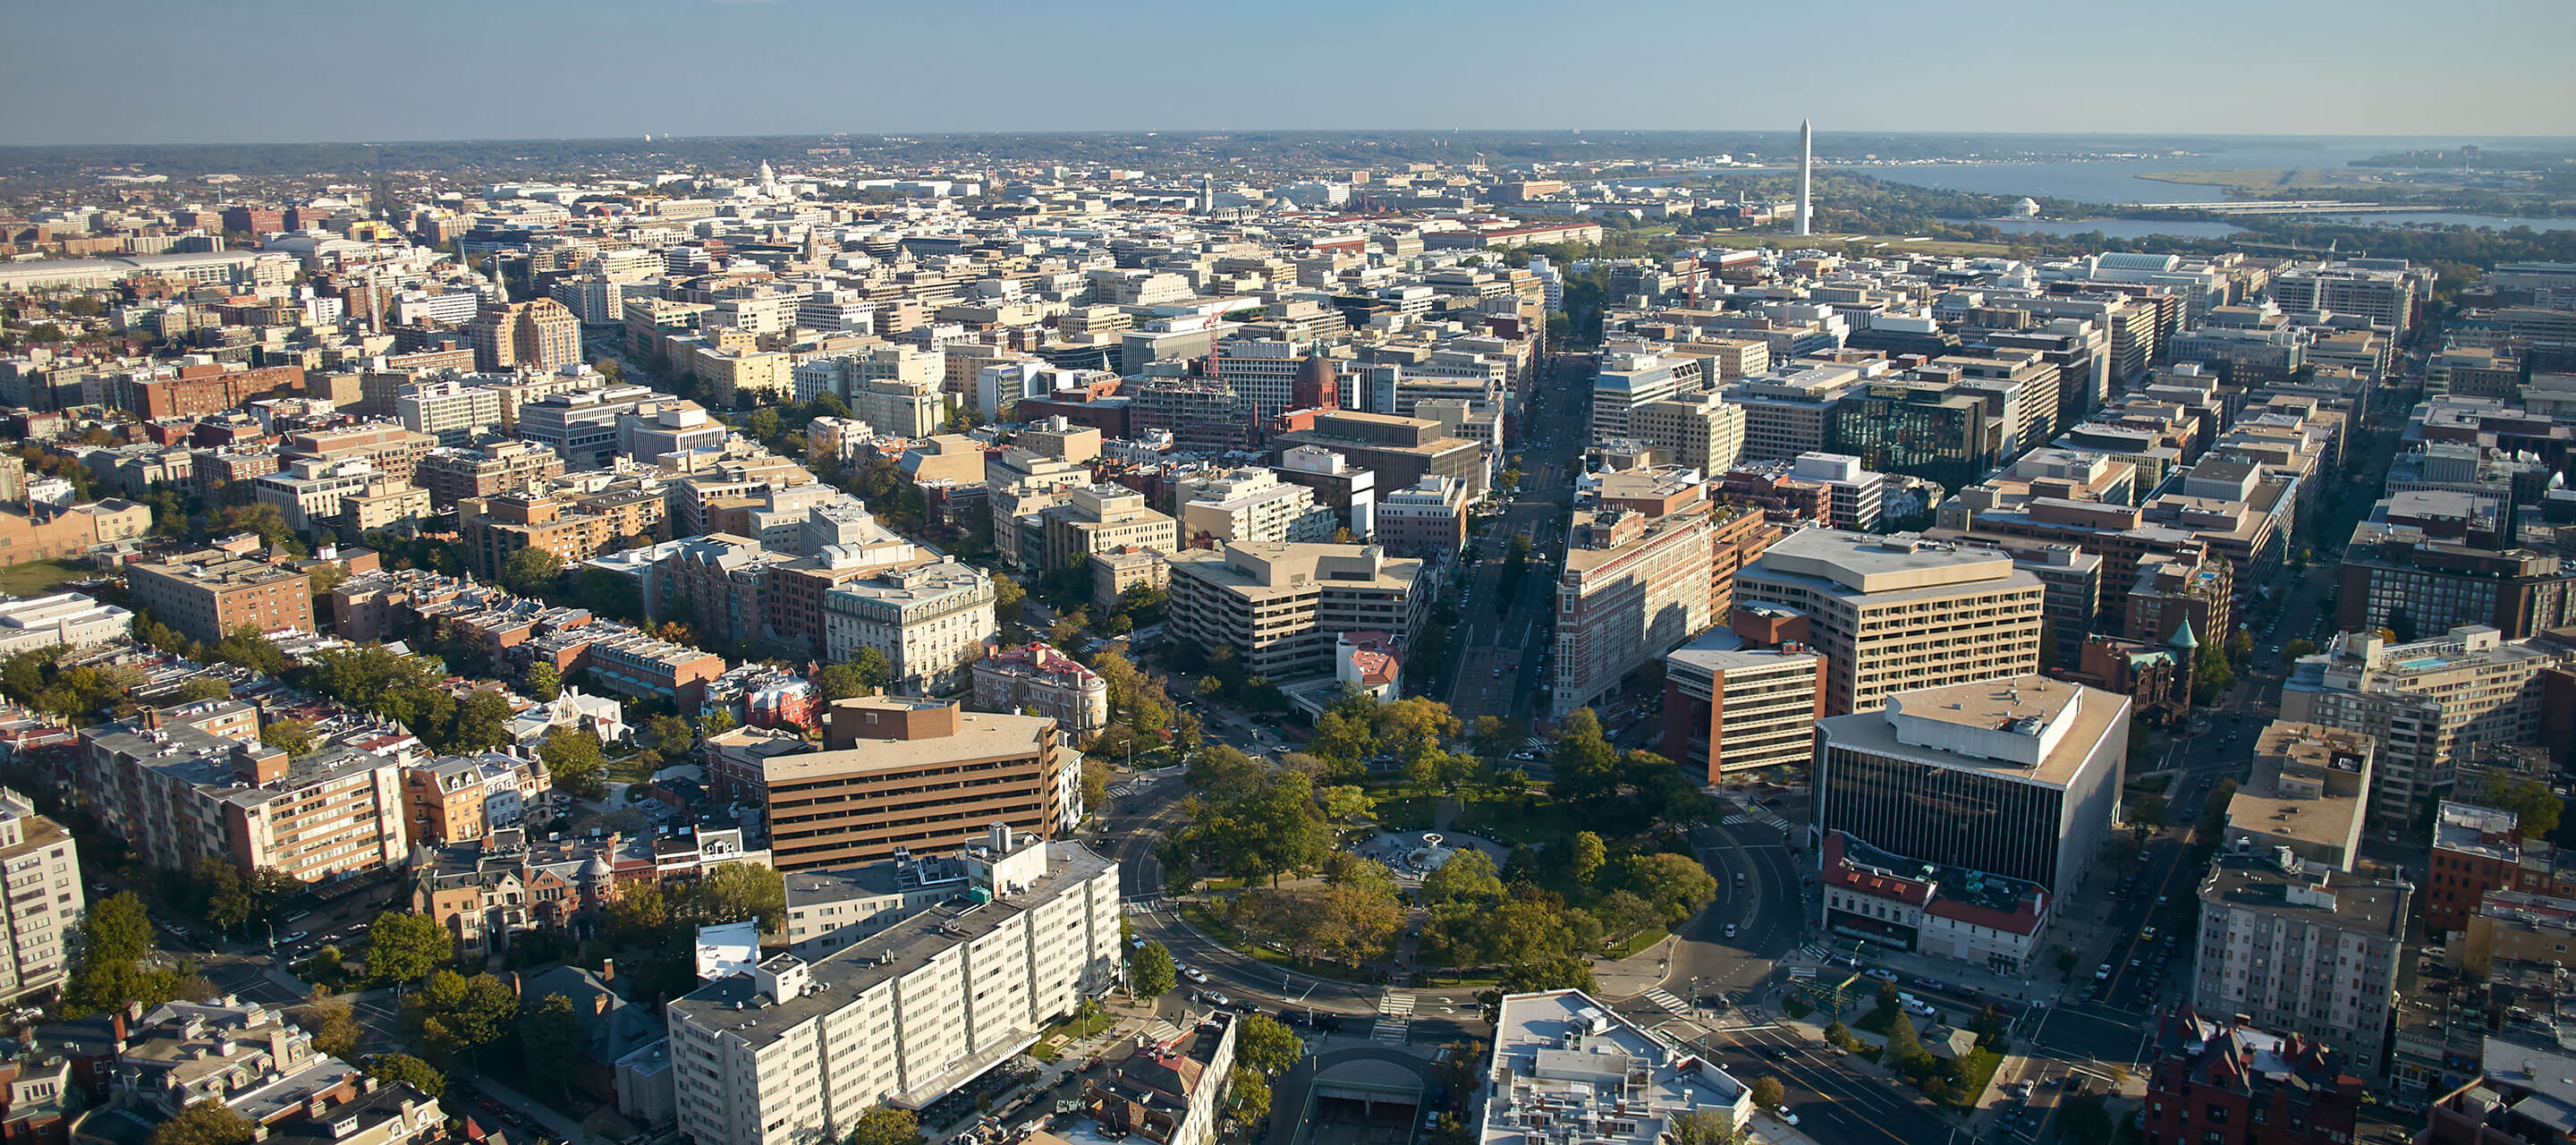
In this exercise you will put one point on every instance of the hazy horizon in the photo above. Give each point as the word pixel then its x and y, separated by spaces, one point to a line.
pixel 287 71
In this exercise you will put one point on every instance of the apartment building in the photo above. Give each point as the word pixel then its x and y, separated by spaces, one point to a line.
pixel 537 335
pixel 1900 612
pixel 929 620
pixel 178 792
pixel 391 449
pixel 1634 586
pixel 2427 703
pixel 205 595
pixel 2478 850
pixel 637 666
pixel 2025 772
pixel 40 899
pixel 1729 708
pixel 313 494
pixel 797 1050
pixel 1280 606
pixel 1855 496
pixel 2231 1082
pixel 899 775
pixel 452 410
pixel 2307 792
pixel 2302 948
pixel 452 475
pixel 492 528
pixel 2401 569
pixel 1038 679
pixel 1250 505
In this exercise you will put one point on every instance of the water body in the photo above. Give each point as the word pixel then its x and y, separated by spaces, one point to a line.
pixel 2122 181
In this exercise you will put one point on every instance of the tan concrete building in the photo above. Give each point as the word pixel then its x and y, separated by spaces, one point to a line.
pixel 920 775
pixel 205 595
pixel 2426 704
pixel 40 898
pixel 1281 606
pixel 1104 517
pixel 1899 613
pixel 1703 431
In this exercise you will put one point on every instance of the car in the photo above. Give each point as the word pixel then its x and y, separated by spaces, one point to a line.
pixel 1215 999
pixel 2163 899
pixel 1881 973
pixel 299 916
pixel 1788 1118
pixel 292 937
pixel 1730 930
pixel 1195 974
pixel 2102 972
pixel 1137 942
pixel 2147 934
pixel 2276 649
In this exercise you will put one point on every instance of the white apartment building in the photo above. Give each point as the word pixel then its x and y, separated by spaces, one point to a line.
pixel 1898 613
pixel 1280 606
pixel 837 311
pixel 930 621
pixel 894 389
pixel 40 898
pixel 795 1051
pixel 449 409
pixel 1248 504
pixel 1630 378
pixel 2427 704
pixel 313 491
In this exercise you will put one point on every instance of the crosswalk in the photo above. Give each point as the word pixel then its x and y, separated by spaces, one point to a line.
pixel 1394 1018
pixel 1759 815
pixel 1665 999
pixel 1161 1031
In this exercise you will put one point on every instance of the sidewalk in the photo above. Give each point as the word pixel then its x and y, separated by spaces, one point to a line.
pixel 533 1110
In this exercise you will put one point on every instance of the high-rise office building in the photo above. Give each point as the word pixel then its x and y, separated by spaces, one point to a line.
pixel 1900 612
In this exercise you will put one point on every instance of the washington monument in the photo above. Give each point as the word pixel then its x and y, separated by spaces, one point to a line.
pixel 1806 173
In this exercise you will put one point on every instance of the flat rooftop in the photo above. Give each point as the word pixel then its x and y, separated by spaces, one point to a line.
pixel 1859 563
pixel 980 736
pixel 2313 891
pixel 2038 736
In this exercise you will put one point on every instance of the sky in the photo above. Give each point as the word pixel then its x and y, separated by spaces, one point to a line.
pixel 291 71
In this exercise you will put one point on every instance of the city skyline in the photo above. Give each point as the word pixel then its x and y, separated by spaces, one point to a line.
pixel 788 67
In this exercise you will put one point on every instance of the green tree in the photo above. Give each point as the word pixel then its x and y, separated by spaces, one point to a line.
pixel 637 916
pixel 335 1028
pixel 1551 972
pixel 551 1041
pixel 2213 810
pixel 202 688
pixel 1267 1044
pixel 542 681
pixel 887 1125
pixel 736 892
pixel 1769 1093
pixel 1150 973
pixel 222 898
pixel 2210 677
pixel 1343 803
pixel 2082 1119
pixel 1675 885
pixel 1068 629
pixel 1586 768
pixel 1904 1048
pixel 841 682
pixel 410 1071
pixel 2534 806
pixel 1251 1095
pixel 530 571
pixel 107 949
pixel 873 669
pixel 481 722
pixel 1468 876
pixel 207 1122
pixel 1010 601
pixel 247 647
pixel 402 946
pixel 2147 812
pixel 458 1016
pixel 573 760
pixel 1589 854
pixel 2298 648
pixel 1706 1127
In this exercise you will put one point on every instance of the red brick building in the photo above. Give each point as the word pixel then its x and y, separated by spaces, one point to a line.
pixel 2480 849
pixel 2228 1083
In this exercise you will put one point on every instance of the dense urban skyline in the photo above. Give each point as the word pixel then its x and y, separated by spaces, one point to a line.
pixel 300 73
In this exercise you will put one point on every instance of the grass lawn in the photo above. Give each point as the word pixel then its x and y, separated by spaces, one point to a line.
pixel 1403 812
pixel 1052 1043
pixel 1637 942
pixel 1508 823
pixel 35 578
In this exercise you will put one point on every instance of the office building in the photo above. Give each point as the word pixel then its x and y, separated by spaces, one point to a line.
pixel 2388 292
pixel 1896 613
pixel 1899 902
pixel 40 899
pixel 1703 431
pixel 582 425
pixel 63 619
pixel 450 409
pixel 452 475
pixel 2017 776
pixel 1247 505
pixel 1562 1058
pixel 1280 606
pixel 929 620
pixel 1036 679
pixel 1729 708
pixel 2427 703
pixel 206 595
pixel 2402 572
pixel 1100 518
pixel 539 335
pixel 901 775
pixel 1401 450
pixel 1925 429
pixel 2231 1082
pixel 2302 948
pixel 797 1050
pixel 1854 494
pixel 1426 520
